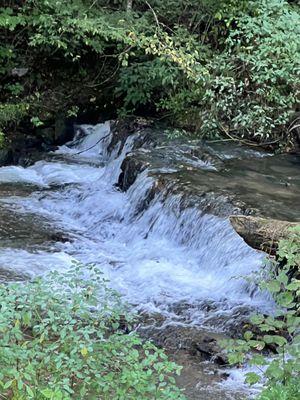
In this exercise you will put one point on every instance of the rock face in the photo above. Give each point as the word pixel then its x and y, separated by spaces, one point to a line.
pixel 122 129
pixel 25 148
pixel 261 233
pixel 130 169
pixel 222 180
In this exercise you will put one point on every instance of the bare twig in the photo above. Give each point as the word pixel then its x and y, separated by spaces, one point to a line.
pixel 294 127
pixel 154 14
pixel 94 145
pixel 247 142
pixel 293 122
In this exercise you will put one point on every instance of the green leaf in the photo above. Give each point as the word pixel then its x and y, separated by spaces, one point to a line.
pixel 275 339
pixel 295 285
pixel 8 384
pixel 274 286
pixel 258 360
pixel 248 335
pixel 29 391
pixel 48 393
pixel 84 351
pixel 257 319
pixel 252 378
pixel 274 371
pixel 285 299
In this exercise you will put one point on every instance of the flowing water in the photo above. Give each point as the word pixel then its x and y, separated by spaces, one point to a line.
pixel 177 263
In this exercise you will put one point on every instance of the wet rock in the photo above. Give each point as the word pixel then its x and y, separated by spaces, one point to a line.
pixel 201 153
pixel 294 133
pixel 208 348
pixel 11 276
pixel 146 201
pixel 63 129
pixel 121 129
pixel 6 157
pixel 20 148
pixel 193 194
pixel 25 148
pixel 130 169
pixel 261 233
pixel 55 133
pixel 27 157
pixel 23 141
pixel 19 230
pixel 201 380
pixel 47 135
pixel 224 181
pixel 203 345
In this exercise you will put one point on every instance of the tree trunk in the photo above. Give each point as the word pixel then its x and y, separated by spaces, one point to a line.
pixel 129 5
pixel 261 233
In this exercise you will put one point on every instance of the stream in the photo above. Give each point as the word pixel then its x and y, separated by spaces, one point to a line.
pixel 180 268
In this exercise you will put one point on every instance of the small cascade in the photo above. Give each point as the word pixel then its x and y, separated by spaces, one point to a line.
pixel 180 267
pixel 163 258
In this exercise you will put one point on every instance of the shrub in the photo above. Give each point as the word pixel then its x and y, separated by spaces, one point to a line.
pixel 279 332
pixel 289 391
pixel 65 336
pixel 221 68
pixel 248 87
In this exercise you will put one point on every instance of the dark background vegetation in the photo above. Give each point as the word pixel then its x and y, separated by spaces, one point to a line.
pixel 221 69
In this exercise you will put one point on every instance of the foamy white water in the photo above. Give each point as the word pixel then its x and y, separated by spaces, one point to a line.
pixel 157 256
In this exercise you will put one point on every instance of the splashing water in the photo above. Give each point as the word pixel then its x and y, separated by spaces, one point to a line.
pixel 157 257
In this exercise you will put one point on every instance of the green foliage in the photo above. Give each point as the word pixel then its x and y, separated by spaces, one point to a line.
pixel 249 88
pixel 289 249
pixel 12 113
pixel 279 332
pixel 282 392
pixel 36 121
pixel 2 140
pixel 219 67
pixel 63 337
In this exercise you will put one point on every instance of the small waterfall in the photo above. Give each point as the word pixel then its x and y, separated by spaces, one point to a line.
pixel 162 258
